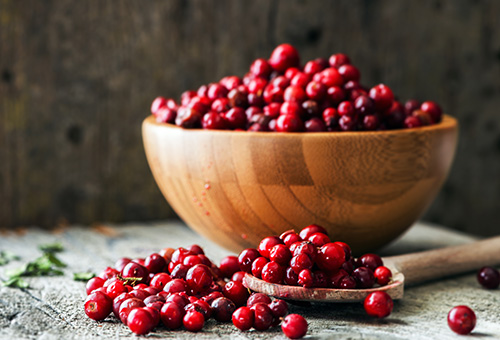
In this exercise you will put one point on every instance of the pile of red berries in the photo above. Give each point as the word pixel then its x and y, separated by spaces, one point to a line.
pixel 311 259
pixel 182 287
pixel 279 94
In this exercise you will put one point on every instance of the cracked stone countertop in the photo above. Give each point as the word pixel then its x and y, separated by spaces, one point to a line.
pixel 52 308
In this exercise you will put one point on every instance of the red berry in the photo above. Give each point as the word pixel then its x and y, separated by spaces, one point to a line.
pixel 294 94
pixel 193 321
pixel 257 266
pixel 488 277
pixel 263 316
pixel 412 122
pixel 315 125
pixel 93 284
pixel 283 57
pixel 246 259
pixel 339 59
pixel 301 262
pixel 98 306
pixel 180 298
pixel 331 77
pixel 243 318
pixel 382 96
pixel 158 103
pixel 347 282
pixel 347 249
pixel 127 306
pixel 372 261
pixel 229 265
pixel 335 94
pixel 410 106
pixel 199 278
pixel 294 326
pixel 306 278
pixel 364 277
pixel 280 254
pixel 319 239
pixel 272 272
pixel 115 288
pixel 155 263
pixel 461 319
pixel 223 309
pixel 267 243
pixel 171 315
pixel 238 276
pixel 213 121
pixel 236 292
pixel 118 301
pixel 330 257
pixel 433 110
pixel 291 109
pixel 349 72
pixel 300 79
pixel 175 286
pixel 261 68
pixel 279 308
pixel 315 66
pixel 316 90
pixel 383 275
pixel 140 321
pixel 346 108
pixel 378 304
pixel 258 297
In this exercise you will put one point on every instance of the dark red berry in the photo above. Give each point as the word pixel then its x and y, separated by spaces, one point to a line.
pixel 261 68
pixel 294 326
pixel 93 284
pixel 294 94
pixel 175 286
pixel 267 243
pixel 213 121
pixel 263 316
pixel 236 292
pixel 120 264
pixel 291 278
pixel 306 278
pixel 330 257
pixel 279 308
pixel 319 239
pixel 257 266
pixel 273 272
pixel 155 263
pixel 301 262
pixel 140 321
pixel 243 318
pixel 364 277
pixel 180 299
pixel 488 277
pixel 258 297
pixel 127 306
pixel 315 125
pixel 179 271
pixel 98 306
pixel 412 122
pixel 133 269
pixel 118 301
pixel 171 315
pixel 331 77
pixel 378 304
pixel 382 96
pixel 461 319
pixel 372 261
pixel 347 282
pixel 229 265
pixel 280 254
pixel 199 278
pixel 246 259
pixel 433 110
pixel 383 275
pixel 200 306
pixel 349 72
pixel 238 276
pixel 223 309
pixel 339 59
pixel 283 57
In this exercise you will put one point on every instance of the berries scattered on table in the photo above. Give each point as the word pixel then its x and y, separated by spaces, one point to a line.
pixel 279 94
pixel 461 319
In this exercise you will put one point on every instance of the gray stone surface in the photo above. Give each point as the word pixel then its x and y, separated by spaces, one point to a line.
pixel 53 307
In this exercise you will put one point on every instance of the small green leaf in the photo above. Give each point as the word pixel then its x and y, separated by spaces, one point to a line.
pixel 15 282
pixel 83 276
pixel 51 248
pixel 7 256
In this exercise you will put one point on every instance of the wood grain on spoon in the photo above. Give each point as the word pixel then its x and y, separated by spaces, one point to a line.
pixel 408 269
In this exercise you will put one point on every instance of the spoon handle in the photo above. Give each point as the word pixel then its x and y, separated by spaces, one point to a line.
pixel 434 264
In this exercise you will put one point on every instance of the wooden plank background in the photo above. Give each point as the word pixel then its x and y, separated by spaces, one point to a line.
pixel 77 78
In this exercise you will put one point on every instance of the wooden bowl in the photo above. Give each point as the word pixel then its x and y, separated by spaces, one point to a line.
pixel 235 188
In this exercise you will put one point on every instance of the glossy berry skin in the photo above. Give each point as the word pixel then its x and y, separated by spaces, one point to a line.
pixel 372 261
pixel 272 272
pixel 280 254
pixel 258 297
pixel 133 269
pixel 284 56
pixel 93 284
pixel 315 125
pixel 339 59
pixel 488 277
pixel 267 243
pixel 257 266
pixel 364 277
pixel 246 259
pixel 98 306
pixel 279 308
pixel 229 265
pixel 349 72
pixel 243 318
pixel 155 263
pixel 383 275
pixel 311 229
pixel 330 257
pixel 223 309
pixel 294 326
pixel 118 301
pixel 412 122
pixel 378 304
pixel 301 262
pixel 140 321
pixel 319 239
pixel 171 315
pixel 193 321
pixel 382 96
pixel 306 278
pixel 461 320
pixel 263 316
pixel 236 292
pixel 127 306
pixel 433 110
pixel 115 288
pixel 261 68
pixel 347 282
pixel 160 280
pixel 238 276
pixel 199 278
pixel 175 286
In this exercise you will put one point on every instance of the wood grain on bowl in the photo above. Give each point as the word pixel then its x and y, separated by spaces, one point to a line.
pixel 235 188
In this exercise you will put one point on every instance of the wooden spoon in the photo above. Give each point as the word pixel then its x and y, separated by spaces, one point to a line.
pixel 409 269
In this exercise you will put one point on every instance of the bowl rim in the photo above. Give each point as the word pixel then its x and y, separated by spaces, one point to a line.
pixel 447 123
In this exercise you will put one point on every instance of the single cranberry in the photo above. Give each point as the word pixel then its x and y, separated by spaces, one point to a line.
pixel 209 298
pixel 315 125
pixel 115 288
pixel 347 123
pixel 229 265
pixel 278 307
pixel 186 97
pixel 93 284
pixel 364 105
pixel 190 261
pixel 193 321
pixel 133 269
pixel 272 110
pixel 301 262
pixel 246 258
pixel 334 278
pixel 319 239
pixel 371 122
pixel 294 94
pixel 258 127
pixel 120 264
pixel 200 105
pixel 291 72
pixel 273 272
pixel 330 257
pixel 349 265
pixel 316 90
pixel 158 103
pixel 118 301
pixel 394 118
pixel 300 79
pixel 167 253
pixel 140 321
pixel 236 292
pixel 411 105
pixel 213 121
pixel 339 59
pixel 155 263
pixel 252 111
pixel 364 277
pixel 243 318
pixel 257 86
pixel 281 82
pixel 424 117
pixel 378 304
pixel 412 122
pixel 257 266
pixel 292 109
pixel 261 68
pixel 382 96
pixel 179 271
pixel 314 66
pixel 231 82
pixel 488 277
pixel 171 315
pixel 306 278
pixel 263 316
pixel 267 243
pixel 289 237
pixel 280 254
pixel 180 298
pixel 154 298
pixel 310 108
pixel 200 306
pixel 347 282
pixel 175 286
pixel 305 247
pixel 166 115
pixel 461 319
pixel 236 118
pixel 140 286
pixel 238 276
pixel 346 248
pixel 283 57
pixel 331 77
pixel 258 297
pixel 108 273
pixel 291 278
pixel 346 109
pixel 272 94
pixel 223 309
pixel 372 261
pixel 216 91
pixel 188 118
pixel 433 110
pixel 220 105
pixel 349 72
pixel 335 95
pixel 199 278
pixel 127 306
pixel 98 306
pixel 140 294
pixel 294 326
pixel 382 275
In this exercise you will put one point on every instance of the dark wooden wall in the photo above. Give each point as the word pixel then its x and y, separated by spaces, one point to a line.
pixel 77 78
